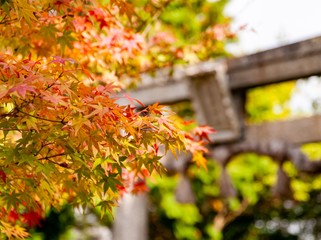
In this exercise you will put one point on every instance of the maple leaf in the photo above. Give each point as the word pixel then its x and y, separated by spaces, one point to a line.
pixel 25 10
pixel 13 216
pixel 53 98
pixel 133 100
pixel 155 108
pixel 81 23
pixel 3 176
pixel 13 232
pixel 126 8
pixel 133 42
pixel 100 16
pixel 97 13
pixel 121 190
pixel 155 147
pixel 199 159
pixel 203 132
pixel 195 147
pixel 140 187
pixel 32 218
pixel 163 38
pixel 3 91
pixel 58 59
pixel 22 89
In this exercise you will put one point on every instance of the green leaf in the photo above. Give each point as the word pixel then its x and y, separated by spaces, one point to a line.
pixel 66 40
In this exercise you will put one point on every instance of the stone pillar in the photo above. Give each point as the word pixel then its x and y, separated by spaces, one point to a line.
pixel 131 220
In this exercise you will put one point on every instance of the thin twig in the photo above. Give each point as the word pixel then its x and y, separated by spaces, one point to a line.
pixel 52 156
pixel 16 129
pixel 41 118
pixel 9 21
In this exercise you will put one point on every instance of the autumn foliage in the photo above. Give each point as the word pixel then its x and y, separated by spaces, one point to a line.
pixel 63 136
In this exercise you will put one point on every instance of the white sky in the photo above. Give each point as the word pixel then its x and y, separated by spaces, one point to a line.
pixel 276 22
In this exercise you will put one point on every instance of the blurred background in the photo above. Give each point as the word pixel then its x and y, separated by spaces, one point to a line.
pixel 272 23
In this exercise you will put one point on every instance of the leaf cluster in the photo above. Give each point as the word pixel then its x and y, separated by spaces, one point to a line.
pixel 63 136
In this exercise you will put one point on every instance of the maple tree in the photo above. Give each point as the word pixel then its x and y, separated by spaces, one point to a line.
pixel 64 137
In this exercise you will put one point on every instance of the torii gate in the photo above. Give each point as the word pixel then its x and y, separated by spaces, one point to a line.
pixel 217 92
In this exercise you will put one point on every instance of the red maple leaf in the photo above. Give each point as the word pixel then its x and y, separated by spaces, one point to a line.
pixel 203 132
pixel 13 216
pixel 3 176
pixel 121 190
pixel 32 218
pixel 140 187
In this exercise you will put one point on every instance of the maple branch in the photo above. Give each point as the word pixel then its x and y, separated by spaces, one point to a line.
pixel 39 95
pixel 9 21
pixel 42 146
pixel 41 118
pixel 12 113
pixel 52 84
pixel 52 156
pixel 5 20
pixel 48 158
pixel 16 129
